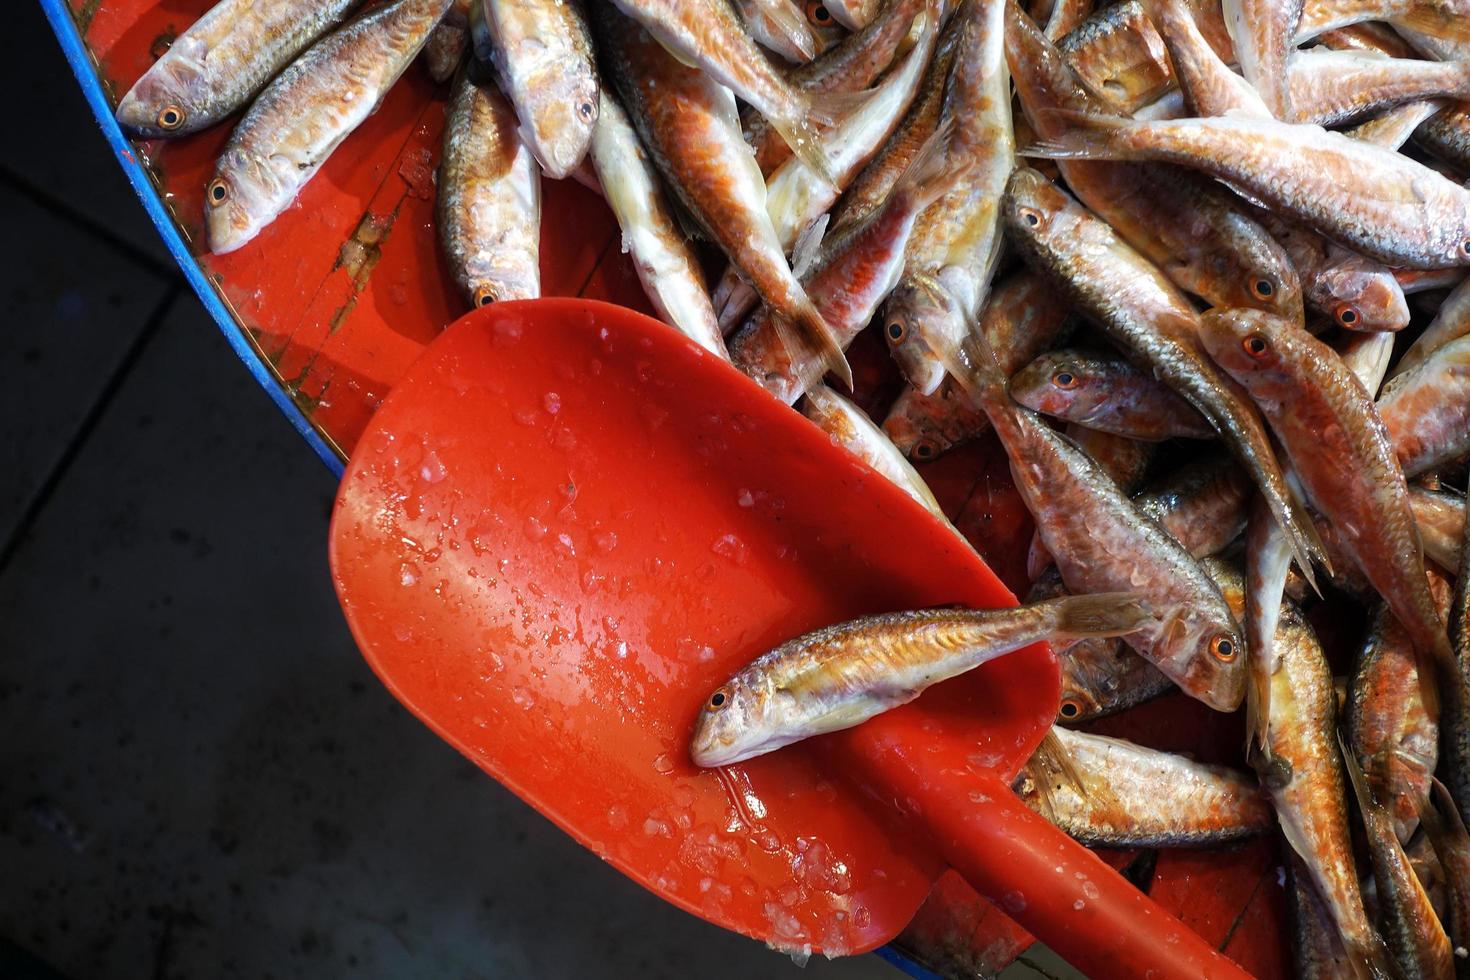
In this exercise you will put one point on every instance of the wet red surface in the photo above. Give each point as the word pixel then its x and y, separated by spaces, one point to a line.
pixel 344 290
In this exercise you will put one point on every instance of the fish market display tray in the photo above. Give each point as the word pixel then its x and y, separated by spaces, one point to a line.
pixel 329 306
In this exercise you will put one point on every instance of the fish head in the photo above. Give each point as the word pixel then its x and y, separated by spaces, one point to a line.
pixel 1095 673
pixel 743 718
pixel 1264 278
pixel 917 315
pixel 566 107
pixel 492 277
pixel 912 425
pixel 244 196
pixel 1063 384
pixel 1252 346
pixel 1039 217
pixel 1361 295
pixel 1201 646
pixel 170 99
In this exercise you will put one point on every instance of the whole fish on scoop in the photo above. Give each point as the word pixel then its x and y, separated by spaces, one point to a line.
pixel 707 33
pixel 1146 316
pixel 221 61
pixel 542 52
pixel 306 113
pixel 840 676
pixel 689 126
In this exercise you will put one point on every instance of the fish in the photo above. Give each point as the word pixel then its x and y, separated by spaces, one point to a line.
pixel 1342 455
pixel 849 427
pixel 1300 765
pixel 446 46
pixel 1414 936
pixel 1105 391
pixel 1426 412
pixel 221 62
pixel 779 26
pixel 662 257
pixel 1267 568
pixel 1373 200
pixel 855 269
pixel 1449 324
pixel 1132 796
pixel 1100 675
pixel 1390 730
pixel 1330 88
pixel 1444 19
pixel 839 676
pixel 870 188
pixel 796 197
pixel 1200 235
pixel 851 65
pixel 1146 315
pixel 1263 32
pixel 688 124
pixel 1202 504
pixel 305 114
pixel 1451 842
pixel 955 246
pixel 542 52
pixel 1118 56
pixel 489 201
pixel 707 34
pixel 1440 516
pixel 1098 537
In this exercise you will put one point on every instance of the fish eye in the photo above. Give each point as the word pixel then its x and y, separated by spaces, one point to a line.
pixel 896 330
pixel 925 450
pixel 1263 289
pixel 1070 710
pixel 171 118
pixel 484 296
pixel 1065 380
pixel 718 699
pixel 585 111
pixel 1224 648
pixel 1255 345
pixel 1031 216
pixel 1465 246
pixel 818 14
pixel 218 191
pixel 1347 315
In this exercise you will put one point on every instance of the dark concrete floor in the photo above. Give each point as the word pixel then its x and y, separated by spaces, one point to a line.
pixel 198 774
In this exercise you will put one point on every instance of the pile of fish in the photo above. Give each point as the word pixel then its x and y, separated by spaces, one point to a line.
pixel 1220 326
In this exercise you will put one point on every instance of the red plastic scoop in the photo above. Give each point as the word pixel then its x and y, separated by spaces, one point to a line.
pixel 567 525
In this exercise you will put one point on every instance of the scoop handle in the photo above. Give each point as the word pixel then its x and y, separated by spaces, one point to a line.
pixel 1054 887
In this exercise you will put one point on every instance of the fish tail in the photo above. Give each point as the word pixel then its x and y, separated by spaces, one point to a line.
pixel 1087 136
pixel 1100 614
pixel 823 341
pixel 802 132
pixel 808 247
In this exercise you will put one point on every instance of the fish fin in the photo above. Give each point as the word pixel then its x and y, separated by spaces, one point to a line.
pixel 1306 544
pixel 823 342
pixel 1442 822
pixel 789 22
pixel 1051 756
pixel 1100 614
pixel 1088 136
pixel 1038 558
pixel 1431 19
pixel 1374 813
pixel 928 176
pixel 803 132
pixel 972 363
pixel 1370 958
pixel 808 247
pixel 689 224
